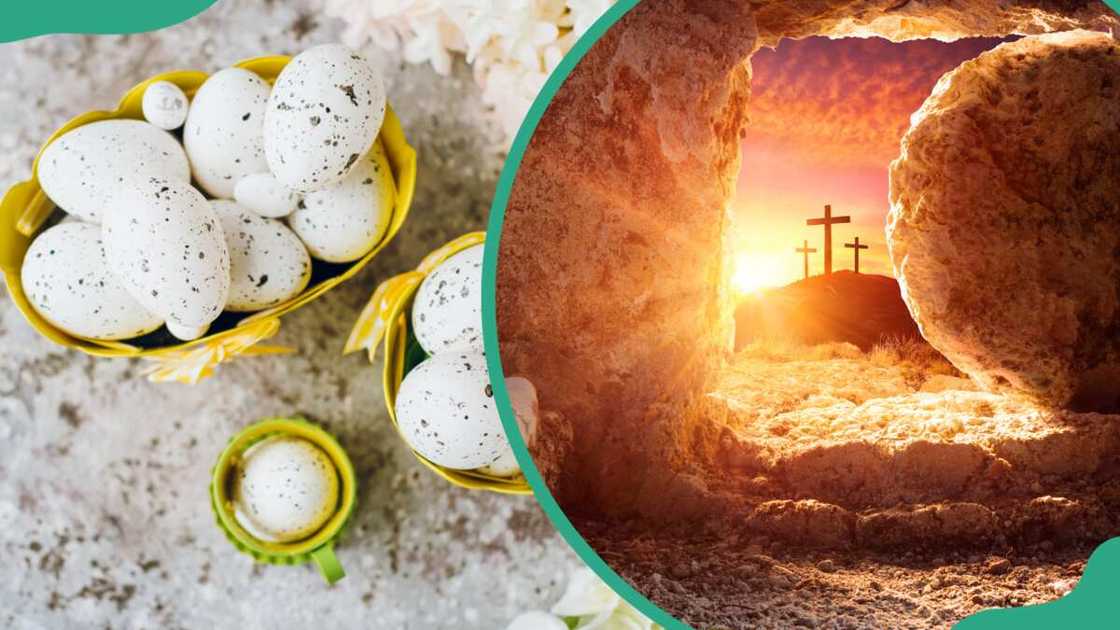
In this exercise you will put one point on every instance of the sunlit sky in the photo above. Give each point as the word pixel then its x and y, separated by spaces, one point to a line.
pixel 826 120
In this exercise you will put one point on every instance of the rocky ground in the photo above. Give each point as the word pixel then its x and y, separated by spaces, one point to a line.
pixel 879 489
pixel 725 577
pixel 104 518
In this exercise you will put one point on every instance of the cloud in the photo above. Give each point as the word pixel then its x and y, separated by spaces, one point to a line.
pixel 846 101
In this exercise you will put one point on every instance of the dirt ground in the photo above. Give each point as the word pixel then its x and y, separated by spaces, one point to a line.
pixel 877 489
pixel 723 578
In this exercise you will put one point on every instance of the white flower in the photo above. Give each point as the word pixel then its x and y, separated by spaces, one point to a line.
pixel 623 617
pixel 513 44
pixel 537 620
pixel 586 595
pixel 510 89
pixel 589 604
pixel 433 40
pixel 505 30
pixel 585 12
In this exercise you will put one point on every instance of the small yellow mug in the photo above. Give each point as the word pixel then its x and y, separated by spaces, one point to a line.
pixel 319 547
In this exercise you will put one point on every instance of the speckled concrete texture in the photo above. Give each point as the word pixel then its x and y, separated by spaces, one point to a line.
pixel 104 520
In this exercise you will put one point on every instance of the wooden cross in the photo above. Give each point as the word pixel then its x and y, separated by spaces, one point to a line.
pixel 856 246
pixel 827 221
pixel 805 250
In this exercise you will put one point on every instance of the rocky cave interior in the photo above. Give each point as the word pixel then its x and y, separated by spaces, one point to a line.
pixel 710 494
pixel 613 300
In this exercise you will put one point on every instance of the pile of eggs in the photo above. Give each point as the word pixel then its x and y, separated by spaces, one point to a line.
pixel 172 229
pixel 445 407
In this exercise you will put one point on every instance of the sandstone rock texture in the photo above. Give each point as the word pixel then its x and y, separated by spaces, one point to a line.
pixel 610 287
pixel 945 20
pixel 1005 218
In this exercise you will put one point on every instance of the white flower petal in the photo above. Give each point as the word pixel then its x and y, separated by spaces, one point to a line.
pixel 586 595
pixel 537 620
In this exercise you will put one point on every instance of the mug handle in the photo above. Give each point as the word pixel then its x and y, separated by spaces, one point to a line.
pixel 328 563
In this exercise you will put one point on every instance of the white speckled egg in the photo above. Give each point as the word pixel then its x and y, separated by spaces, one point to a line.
pixel 261 193
pixel 222 135
pixel 67 280
pixel 344 221
pixel 165 243
pixel 325 110
pixel 81 170
pixel 284 489
pixel 164 105
pixel 446 412
pixel 268 264
pixel 447 311
pixel 505 466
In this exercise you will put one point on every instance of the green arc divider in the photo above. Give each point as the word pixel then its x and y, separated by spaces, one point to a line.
pixel 490 325
pixel 1073 607
pixel 30 18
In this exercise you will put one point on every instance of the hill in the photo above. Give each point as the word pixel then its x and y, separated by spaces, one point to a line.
pixel 861 309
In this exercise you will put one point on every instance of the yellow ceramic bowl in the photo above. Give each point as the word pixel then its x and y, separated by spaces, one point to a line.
pixel 388 316
pixel 319 547
pixel 25 208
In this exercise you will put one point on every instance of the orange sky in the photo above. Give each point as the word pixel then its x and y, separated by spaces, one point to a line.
pixel 826 120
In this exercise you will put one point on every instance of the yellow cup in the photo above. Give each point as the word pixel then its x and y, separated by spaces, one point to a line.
pixel 25 208
pixel 387 318
pixel 319 547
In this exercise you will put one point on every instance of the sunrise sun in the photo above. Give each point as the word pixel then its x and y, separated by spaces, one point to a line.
pixel 755 271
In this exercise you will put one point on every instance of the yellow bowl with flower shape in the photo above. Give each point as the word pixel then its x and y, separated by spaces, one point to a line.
pixel 25 210
pixel 386 321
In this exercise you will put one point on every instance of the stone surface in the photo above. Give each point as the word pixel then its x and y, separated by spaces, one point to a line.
pixel 610 268
pixel 945 20
pixel 838 465
pixel 1005 213
pixel 104 520
pixel 612 274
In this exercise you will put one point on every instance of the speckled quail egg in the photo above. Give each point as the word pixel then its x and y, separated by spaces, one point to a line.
pixel 164 105
pixel 505 466
pixel 81 170
pixel 222 135
pixel 284 489
pixel 325 110
pixel 447 311
pixel 344 221
pixel 268 264
pixel 261 193
pixel 446 412
pixel 67 280
pixel 165 243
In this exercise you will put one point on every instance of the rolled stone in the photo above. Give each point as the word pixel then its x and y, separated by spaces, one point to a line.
pixel 1004 226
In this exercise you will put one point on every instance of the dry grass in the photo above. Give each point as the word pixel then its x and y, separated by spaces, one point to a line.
pixel 917 360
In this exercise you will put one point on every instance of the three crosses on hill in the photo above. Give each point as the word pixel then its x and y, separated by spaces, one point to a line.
pixel 828 221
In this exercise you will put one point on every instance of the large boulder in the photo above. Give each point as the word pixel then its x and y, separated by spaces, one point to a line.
pixel 1005 218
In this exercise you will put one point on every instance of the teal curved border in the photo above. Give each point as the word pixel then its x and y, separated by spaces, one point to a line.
pixel 31 18
pixel 490 324
pixel 1090 605
pixel 1081 605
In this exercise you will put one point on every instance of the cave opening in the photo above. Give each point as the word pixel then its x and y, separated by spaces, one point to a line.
pixel 829 371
